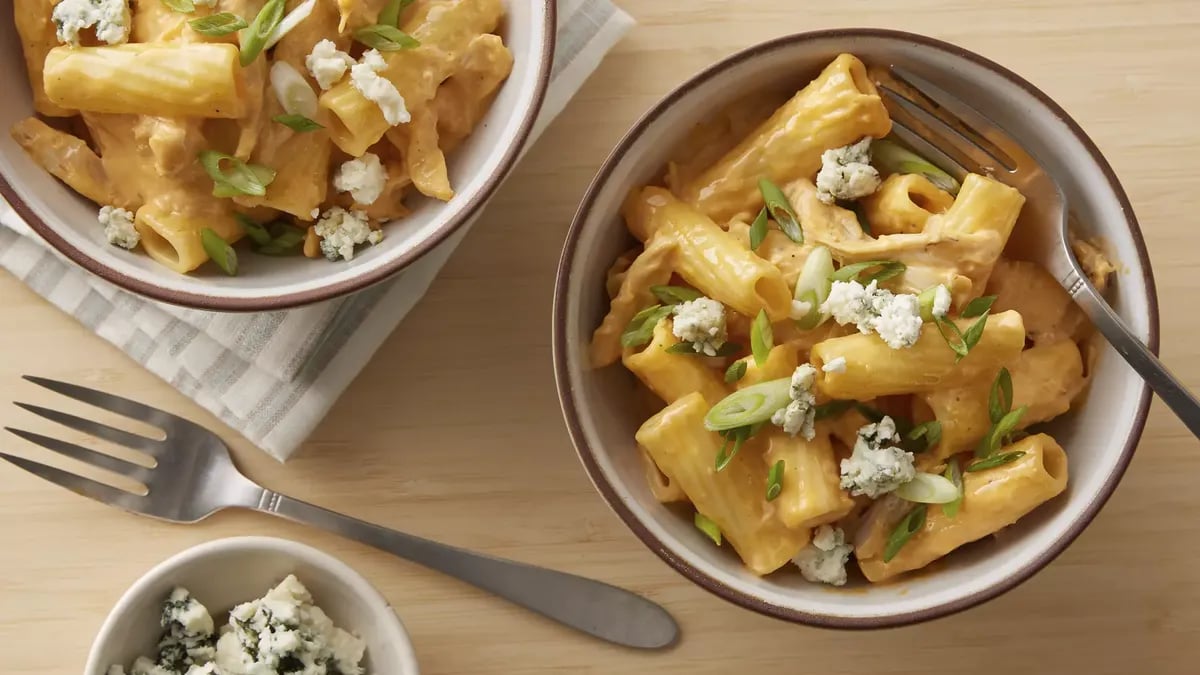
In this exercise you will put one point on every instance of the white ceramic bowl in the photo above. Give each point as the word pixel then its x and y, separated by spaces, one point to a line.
pixel 226 572
pixel 1099 437
pixel 68 222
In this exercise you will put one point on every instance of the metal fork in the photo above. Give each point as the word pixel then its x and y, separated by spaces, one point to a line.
pixel 960 139
pixel 193 477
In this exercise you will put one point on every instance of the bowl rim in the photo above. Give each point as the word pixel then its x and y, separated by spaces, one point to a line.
pixel 462 214
pixel 363 588
pixel 588 456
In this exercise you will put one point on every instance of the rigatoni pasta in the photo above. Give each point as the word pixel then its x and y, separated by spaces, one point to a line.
pixel 838 342
pixel 263 120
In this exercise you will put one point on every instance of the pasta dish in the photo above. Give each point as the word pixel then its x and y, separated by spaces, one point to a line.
pixel 298 125
pixel 846 359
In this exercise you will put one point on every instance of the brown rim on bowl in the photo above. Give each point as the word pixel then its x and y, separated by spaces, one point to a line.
pixel 200 301
pixel 587 453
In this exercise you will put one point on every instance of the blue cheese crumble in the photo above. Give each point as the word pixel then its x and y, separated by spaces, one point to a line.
pixel 282 632
pixel 895 318
pixel 702 323
pixel 846 173
pixel 110 18
pixel 327 63
pixel 877 466
pixel 941 301
pixel 835 365
pixel 799 416
pixel 364 178
pixel 824 559
pixel 365 77
pixel 341 231
pixel 118 227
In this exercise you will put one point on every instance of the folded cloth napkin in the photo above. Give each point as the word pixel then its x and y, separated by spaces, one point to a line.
pixel 273 376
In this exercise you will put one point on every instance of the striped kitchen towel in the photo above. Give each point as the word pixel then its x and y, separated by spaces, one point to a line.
pixel 273 376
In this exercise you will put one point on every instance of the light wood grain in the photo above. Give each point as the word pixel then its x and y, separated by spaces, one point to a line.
pixel 397 450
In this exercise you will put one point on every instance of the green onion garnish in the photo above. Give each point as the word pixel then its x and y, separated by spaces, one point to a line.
pixel 708 527
pixel 854 272
pixel 978 306
pixel 689 349
pixel 890 157
pixel 831 409
pixel 737 437
pixel 751 405
pixel 813 286
pixel 775 480
pixel 241 179
pixel 735 372
pixel 781 210
pixel 181 6
pixel 930 431
pixel 216 25
pixel 298 123
pixel 1000 399
pixel 762 338
pixel 954 475
pixel 995 437
pixel 912 524
pixel 925 302
pixel 254 40
pixel 219 250
pixel 758 229
pixel 674 295
pixel 963 342
pixel 287 240
pixel 928 488
pixel 390 16
pixel 996 460
pixel 257 233
pixel 385 38
pixel 641 328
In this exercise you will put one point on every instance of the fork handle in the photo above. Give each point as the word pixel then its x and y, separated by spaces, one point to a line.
pixel 594 607
pixel 1172 392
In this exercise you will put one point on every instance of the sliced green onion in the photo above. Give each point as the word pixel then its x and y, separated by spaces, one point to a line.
pixel 641 328
pixel 775 480
pixel 219 250
pixel 390 16
pixel 751 405
pixel 254 39
pixel 910 525
pixel 762 338
pixel 289 22
pixel 959 342
pixel 831 409
pixel 854 272
pixel 925 302
pixel 928 488
pixel 737 437
pixel 781 210
pixel 978 306
pixel 293 91
pixel 257 233
pixel 813 286
pixel 181 6
pixel 241 179
pixel 974 334
pixel 287 240
pixel 708 527
pixel 385 38
pixel 735 372
pixel 689 349
pixel 1000 400
pixel 216 25
pixel 953 474
pixel 994 438
pixel 674 295
pixel 996 460
pixel 930 431
pixel 890 157
pixel 298 123
pixel 758 229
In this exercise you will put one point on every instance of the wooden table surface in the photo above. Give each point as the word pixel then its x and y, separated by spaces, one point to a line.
pixel 503 479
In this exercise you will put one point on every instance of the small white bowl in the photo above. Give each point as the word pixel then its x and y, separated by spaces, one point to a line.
pixel 602 415
pixel 68 222
pixel 226 572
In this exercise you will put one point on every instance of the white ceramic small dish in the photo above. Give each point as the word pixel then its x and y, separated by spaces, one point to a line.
pixel 602 413
pixel 227 572
pixel 68 222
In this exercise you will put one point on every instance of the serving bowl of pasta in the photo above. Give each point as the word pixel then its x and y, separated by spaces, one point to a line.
pixel 247 155
pixel 825 377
